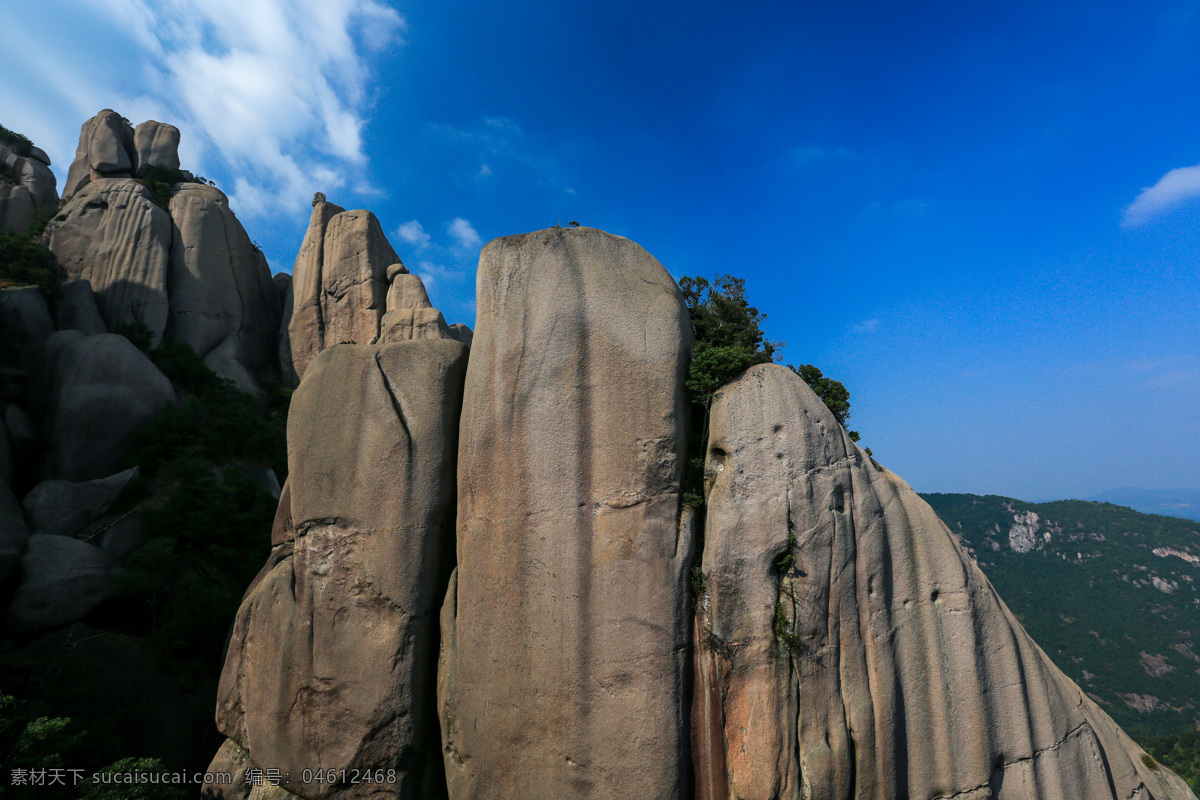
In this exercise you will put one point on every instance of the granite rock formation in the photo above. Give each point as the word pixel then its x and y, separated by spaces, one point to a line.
pixel 106 149
pixel 188 271
pixel 33 187
pixel 102 390
pixel 340 282
pixel 333 653
pixel 222 299
pixel 846 647
pixel 564 632
pixel 409 313
pixel 113 235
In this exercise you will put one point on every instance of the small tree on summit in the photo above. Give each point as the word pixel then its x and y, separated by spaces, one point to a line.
pixel 728 337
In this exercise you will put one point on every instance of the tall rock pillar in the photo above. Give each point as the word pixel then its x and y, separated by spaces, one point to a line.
pixel 564 633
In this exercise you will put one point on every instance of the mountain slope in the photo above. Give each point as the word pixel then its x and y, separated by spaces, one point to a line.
pixel 1112 595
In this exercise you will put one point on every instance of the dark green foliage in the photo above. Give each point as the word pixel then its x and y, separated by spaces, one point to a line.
pixel 208 524
pixel 100 790
pixel 60 747
pixel 24 260
pixel 6 174
pixel 1088 597
pixel 832 393
pixel 729 339
pixel 161 182
pixel 20 144
pixel 1179 753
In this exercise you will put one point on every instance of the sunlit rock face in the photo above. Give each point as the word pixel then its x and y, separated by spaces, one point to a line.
pixel 564 634
pixel 847 648
pixel 340 282
pixel 333 652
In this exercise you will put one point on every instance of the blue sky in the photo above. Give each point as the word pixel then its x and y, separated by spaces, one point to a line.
pixel 984 218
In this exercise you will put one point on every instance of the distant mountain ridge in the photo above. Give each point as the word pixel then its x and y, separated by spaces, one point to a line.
pixel 1168 502
pixel 1111 594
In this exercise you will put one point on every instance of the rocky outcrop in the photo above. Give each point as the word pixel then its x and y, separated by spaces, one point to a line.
pixel 564 632
pixel 102 391
pixel 222 301
pixel 461 333
pixel 106 150
pixel 333 650
pixel 156 144
pixel 61 580
pixel 77 309
pixel 847 648
pixel 62 508
pixel 409 314
pixel 25 325
pixel 339 280
pixel 112 235
pixel 27 186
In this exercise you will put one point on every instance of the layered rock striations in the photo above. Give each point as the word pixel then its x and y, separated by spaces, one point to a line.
pixel 564 632
pixel 113 235
pixel 27 186
pixel 846 647
pixel 221 296
pixel 340 282
pixel 188 271
pixel 333 652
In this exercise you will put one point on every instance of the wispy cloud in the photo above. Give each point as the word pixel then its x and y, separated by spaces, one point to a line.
pixel 446 265
pixel 272 95
pixel 413 233
pixel 1172 190
pixel 465 236
pixel 867 326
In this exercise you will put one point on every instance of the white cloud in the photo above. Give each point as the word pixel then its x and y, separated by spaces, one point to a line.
pixel 414 234
pixel 464 235
pixel 1172 190
pixel 271 95
pixel 867 326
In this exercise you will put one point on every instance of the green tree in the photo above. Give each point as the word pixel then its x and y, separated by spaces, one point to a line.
pixel 729 337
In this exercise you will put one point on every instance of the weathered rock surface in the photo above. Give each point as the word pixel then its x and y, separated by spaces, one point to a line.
pixel 283 284
pixel 62 508
pixel 77 309
pixel 61 580
pixel 564 633
pixel 340 282
pixel 103 390
pixel 461 333
pixel 846 646
pixel 222 300
pixel 410 315
pixel 16 207
pixel 156 143
pixel 333 651
pixel 112 235
pixel 13 535
pixel 25 325
pixel 106 149
pixel 34 190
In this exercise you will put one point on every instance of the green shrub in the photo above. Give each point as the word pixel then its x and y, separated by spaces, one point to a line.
pixel 24 260
pixel 20 144
pixel 161 182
